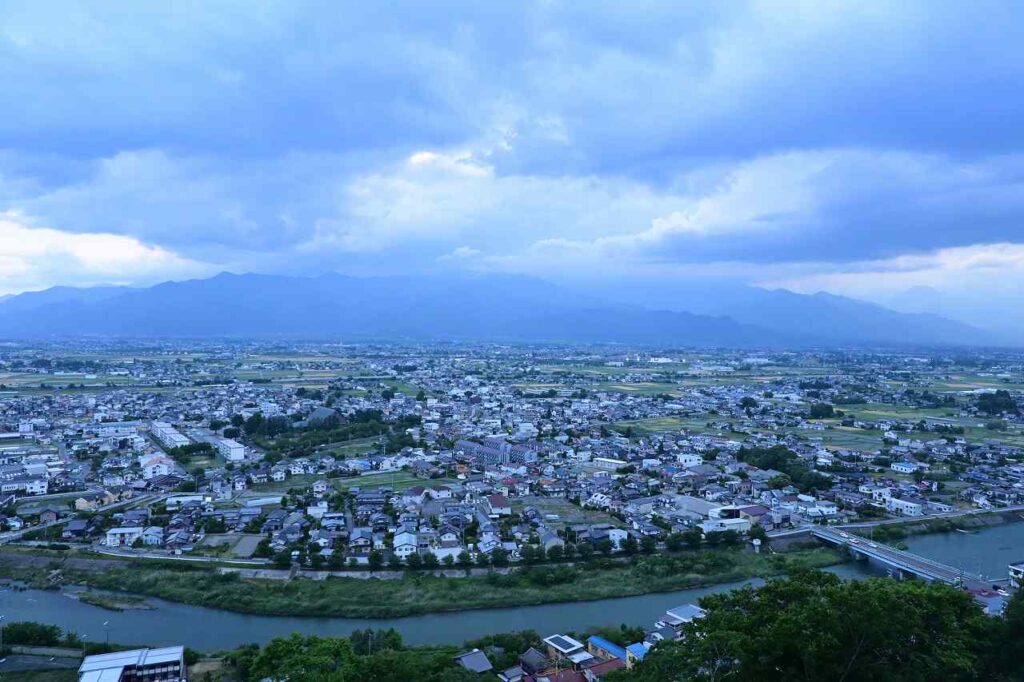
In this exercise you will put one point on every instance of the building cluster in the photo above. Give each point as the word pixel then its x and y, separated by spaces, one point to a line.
pixel 401 456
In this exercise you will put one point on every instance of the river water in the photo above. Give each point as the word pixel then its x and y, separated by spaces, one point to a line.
pixel 988 550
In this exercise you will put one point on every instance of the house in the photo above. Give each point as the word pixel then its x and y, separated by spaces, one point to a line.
pixel 405 543
pixel 153 536
pixel 441 492
pixel 75 528
pixel 635 653
pixel 601 648
pixel 320 487
pixel 474 661
pixel 498 505
pixel 562 646
pixel 904 467
pixel 122 536
pixel 157 465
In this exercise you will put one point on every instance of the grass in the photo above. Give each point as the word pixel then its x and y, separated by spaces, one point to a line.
pixel 567 511
pixel 422 593
pixel 118 602
pixel 398 481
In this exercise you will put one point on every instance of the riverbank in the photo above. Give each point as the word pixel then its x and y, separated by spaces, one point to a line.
pixel 925 526
pixel 418 594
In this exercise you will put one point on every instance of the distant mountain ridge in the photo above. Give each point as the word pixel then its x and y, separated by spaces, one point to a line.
pixel 433 308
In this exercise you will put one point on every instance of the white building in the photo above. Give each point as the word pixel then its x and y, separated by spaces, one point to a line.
pixel 168 436
pixel 608 463
pixel 231 450
pixel 152 665
pixel 157 465
pixel 123 536
pixel 722 525
pixel 904 507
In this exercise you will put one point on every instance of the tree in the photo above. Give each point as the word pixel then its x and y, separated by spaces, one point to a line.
pixel 283 559
pixel 822 411
pixel 306 659
pixel 556 553
pixel 1008 646
pixel 693 537
pixel 499 557
pixel 448 561
pixel 674 542
pixel 997 403
pixel 629 545
pixel 366 642
pixel 648 544
pixel 605 546
pixel 430 560
pixel 585 550
pixel 465 559
pixel 815 626
pixel 414 560
pixel 376 560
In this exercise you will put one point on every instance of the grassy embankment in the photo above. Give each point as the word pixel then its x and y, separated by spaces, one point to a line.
pixel 422 593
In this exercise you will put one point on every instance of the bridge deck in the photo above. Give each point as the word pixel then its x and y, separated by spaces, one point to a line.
pixel 897 558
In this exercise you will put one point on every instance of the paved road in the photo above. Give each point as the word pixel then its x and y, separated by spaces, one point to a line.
pixel 929 517
pixel 899 521
pixel 905 561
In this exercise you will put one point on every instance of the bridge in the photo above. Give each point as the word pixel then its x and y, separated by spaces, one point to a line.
pixel 896 560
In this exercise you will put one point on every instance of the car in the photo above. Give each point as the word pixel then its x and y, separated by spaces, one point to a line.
pixel 854 541
pixel 843 534
pixel 872 544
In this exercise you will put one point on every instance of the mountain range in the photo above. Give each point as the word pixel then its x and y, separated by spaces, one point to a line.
pixel 508 308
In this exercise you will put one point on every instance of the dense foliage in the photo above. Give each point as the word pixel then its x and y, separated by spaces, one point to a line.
pixel 997 403
pixel 815 626
pixel 788 462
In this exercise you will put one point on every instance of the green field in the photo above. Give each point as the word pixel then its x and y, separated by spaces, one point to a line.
pixel 398 481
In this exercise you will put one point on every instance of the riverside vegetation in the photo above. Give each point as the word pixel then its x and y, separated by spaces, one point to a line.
pixel 810 627
pixel 422 592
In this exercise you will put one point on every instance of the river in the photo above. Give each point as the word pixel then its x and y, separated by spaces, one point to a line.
pixel 989 550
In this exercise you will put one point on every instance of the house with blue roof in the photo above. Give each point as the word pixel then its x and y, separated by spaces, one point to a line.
pixel 601 648
pixel 635 653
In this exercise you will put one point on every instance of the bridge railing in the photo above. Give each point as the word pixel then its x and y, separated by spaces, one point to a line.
pixel 899 554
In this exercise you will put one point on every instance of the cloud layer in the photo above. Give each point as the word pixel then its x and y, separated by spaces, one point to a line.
pixel 862 147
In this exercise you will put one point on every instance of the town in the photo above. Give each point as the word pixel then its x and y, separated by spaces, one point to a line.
pixel 307 461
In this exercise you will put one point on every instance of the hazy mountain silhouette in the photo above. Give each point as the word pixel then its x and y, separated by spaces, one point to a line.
pixel 456 307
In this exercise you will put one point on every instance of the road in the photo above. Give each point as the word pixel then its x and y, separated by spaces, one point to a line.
pixel 141 554
pixel 901 520
pixel 896 558
pixel 11 536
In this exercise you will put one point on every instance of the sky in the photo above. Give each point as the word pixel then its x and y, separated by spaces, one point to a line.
pixel 872 149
